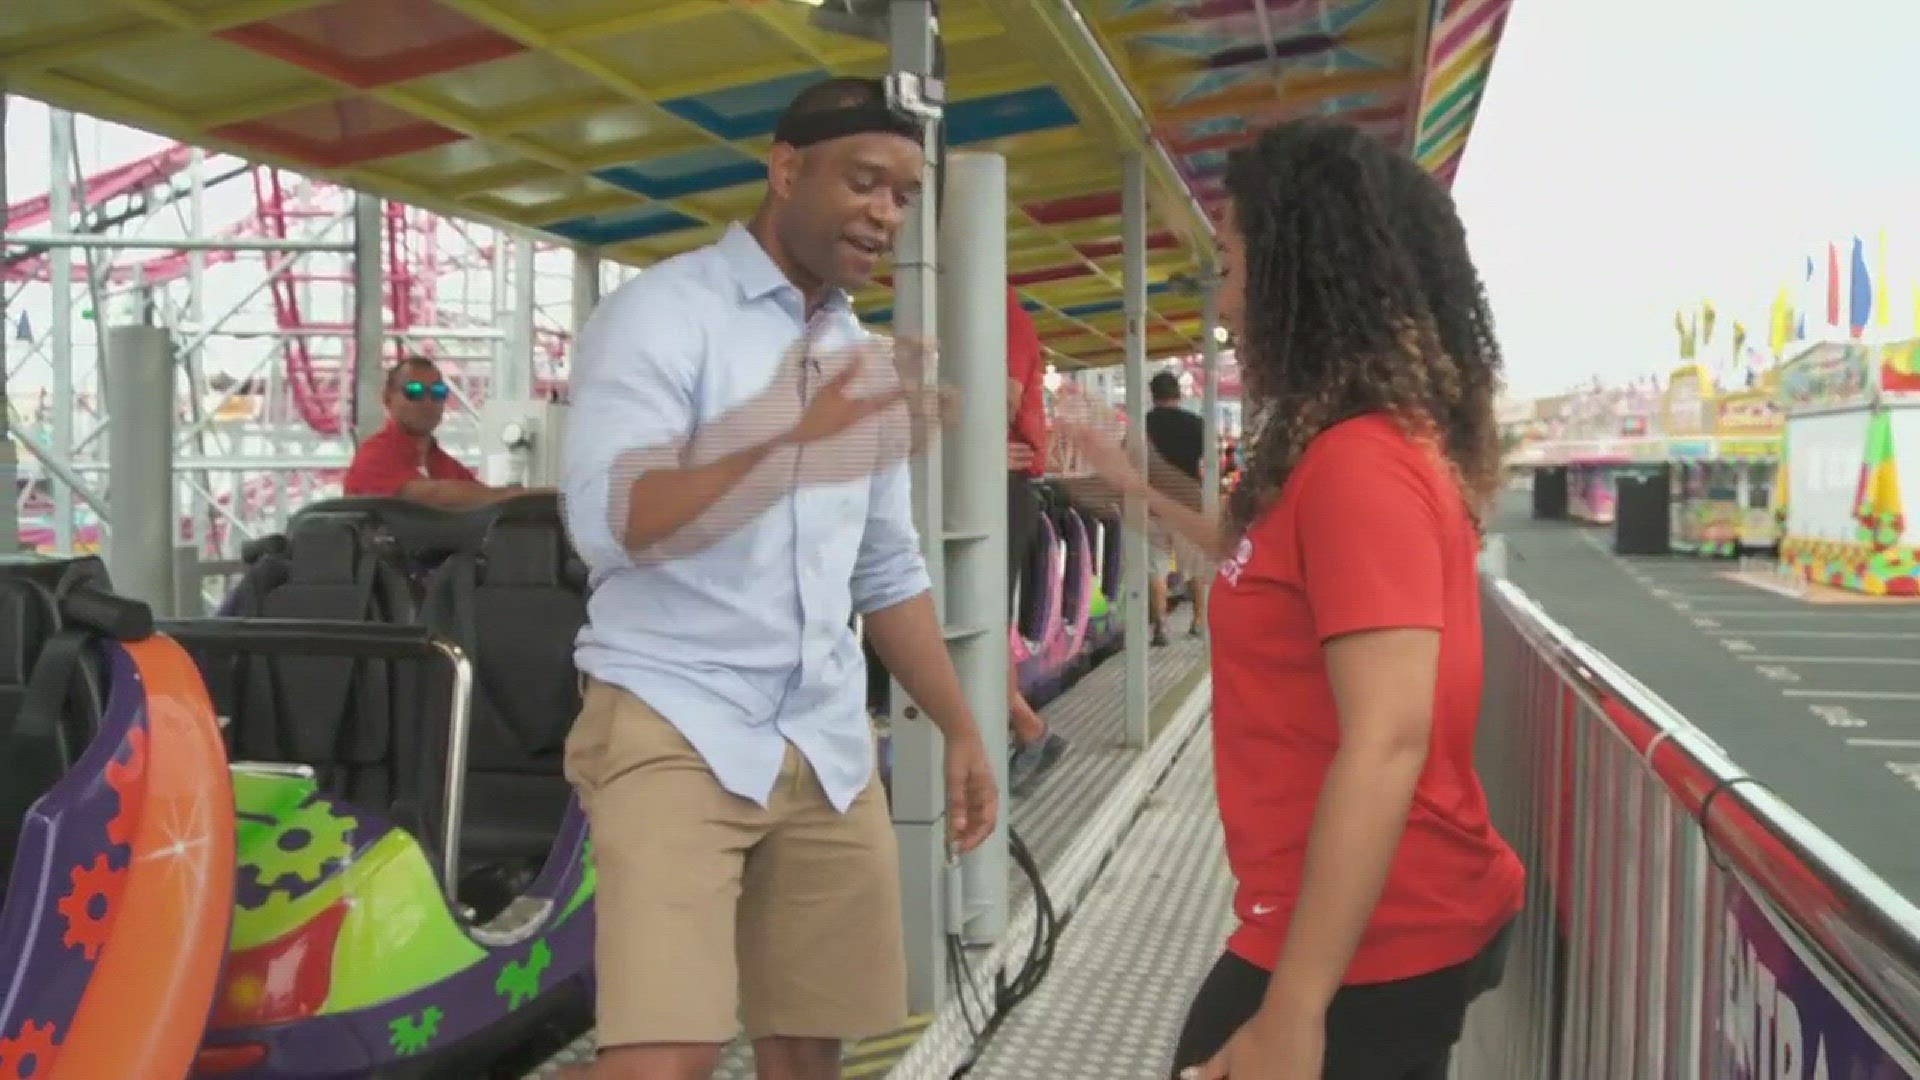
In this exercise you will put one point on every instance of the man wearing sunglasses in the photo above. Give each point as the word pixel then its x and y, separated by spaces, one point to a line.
pixel 403 460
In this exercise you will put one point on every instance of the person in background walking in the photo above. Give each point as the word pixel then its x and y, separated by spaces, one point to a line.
pixel 1175 436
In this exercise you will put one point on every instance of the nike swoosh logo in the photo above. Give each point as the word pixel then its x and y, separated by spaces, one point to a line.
pixel 1263 909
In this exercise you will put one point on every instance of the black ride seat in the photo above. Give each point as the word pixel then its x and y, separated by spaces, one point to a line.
pixel 52 687
pixel 1069 527
pixel 515 606
pixel 1111 556
pixel 417 538
pixel 344 718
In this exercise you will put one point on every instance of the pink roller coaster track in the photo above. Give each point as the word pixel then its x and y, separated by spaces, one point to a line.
pixel 413 265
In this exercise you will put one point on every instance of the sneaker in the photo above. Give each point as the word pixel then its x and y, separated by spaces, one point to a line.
pixel 1159 636
pixel 1026 764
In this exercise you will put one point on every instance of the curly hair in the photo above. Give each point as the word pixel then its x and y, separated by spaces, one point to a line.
pixel 1360 297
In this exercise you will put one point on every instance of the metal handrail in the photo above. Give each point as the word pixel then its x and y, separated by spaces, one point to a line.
pixel 1863 929
pixel 358 641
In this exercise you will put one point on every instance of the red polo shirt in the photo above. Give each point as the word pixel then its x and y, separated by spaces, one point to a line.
pixel 389 458
pixel 1027 364
pixel 1369 533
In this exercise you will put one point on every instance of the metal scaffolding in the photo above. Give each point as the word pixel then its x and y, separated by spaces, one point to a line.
pixel 267 313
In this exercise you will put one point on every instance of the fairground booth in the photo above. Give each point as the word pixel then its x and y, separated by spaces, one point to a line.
pixel 1747 430
pixel 1723 448
pixel 1611 434
pixel 1852 452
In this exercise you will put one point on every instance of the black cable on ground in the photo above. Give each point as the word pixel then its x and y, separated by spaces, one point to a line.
pixel 1008 992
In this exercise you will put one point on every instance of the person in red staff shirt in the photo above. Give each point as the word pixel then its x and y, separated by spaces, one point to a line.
pixel 1374 895
pixel 403 460
pixel 1035 749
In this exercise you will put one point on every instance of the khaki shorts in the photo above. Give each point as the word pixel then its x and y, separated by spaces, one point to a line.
pixel 1169 553
pixel 713 914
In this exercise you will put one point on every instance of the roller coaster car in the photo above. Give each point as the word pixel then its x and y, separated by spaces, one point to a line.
pixel 117 827
pixel 1038 623
pixel 414 883
pixel 1105 627
pixel 1066 619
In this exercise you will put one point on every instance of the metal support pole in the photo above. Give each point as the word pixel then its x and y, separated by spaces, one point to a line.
pixel 140 540
pixel 54 241
pixel 60 280
pixel 514 380
pixel 369 319
pixel 1210 393
pixel 586 285
pixel 919 798
pixel 1135 553
pixel 1202 576
pixel 9 457
pixel 194 356
pixel 973 350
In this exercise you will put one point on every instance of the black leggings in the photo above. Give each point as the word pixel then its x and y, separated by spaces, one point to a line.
pixel 1401 1030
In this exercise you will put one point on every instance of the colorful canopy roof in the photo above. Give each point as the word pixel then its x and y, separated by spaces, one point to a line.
pixel 641 126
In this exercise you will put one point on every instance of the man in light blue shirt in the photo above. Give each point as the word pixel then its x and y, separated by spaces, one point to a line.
pixel 736 478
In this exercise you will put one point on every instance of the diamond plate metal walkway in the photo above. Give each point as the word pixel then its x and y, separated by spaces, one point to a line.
pixel 1144 936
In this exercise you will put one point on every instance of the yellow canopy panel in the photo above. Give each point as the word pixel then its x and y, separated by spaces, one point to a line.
pixel 642 126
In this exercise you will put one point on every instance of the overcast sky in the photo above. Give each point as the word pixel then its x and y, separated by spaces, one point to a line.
pixel 1632 157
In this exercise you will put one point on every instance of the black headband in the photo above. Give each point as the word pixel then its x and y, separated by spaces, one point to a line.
pixel 805 129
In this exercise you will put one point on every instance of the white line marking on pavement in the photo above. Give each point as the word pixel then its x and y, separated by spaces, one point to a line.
pixel 1832 635
pixel 1856 695
pixel 1837 716
pixel 1888 661
pixel 1887 744
pixel 1774 587
pixel 1771 613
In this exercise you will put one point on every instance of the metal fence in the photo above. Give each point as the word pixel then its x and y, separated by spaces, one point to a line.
pixel 1682 922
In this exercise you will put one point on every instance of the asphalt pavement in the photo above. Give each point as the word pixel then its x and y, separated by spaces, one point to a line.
pixel 1819 701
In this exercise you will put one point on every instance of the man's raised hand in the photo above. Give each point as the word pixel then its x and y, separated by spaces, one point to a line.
pixel 833 408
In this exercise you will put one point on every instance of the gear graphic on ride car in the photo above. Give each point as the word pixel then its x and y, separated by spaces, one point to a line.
pixel 30 1053
pixel 277 909
pixel 300 845
pixel 127 782
pixel 86 906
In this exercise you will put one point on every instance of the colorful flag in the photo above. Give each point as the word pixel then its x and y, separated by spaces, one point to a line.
pixel 1833 285
pixel 1880 305
pixel 1860 298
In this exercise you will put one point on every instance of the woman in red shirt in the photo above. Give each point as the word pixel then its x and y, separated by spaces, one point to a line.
pixel 1373 892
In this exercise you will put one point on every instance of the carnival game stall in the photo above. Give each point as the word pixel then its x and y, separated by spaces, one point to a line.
pixel 1612 431
pixel 1852 457
pixel 1747 428
pixel 1703 493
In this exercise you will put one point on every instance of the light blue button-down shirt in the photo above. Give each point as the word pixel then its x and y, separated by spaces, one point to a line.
pixel 745 645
